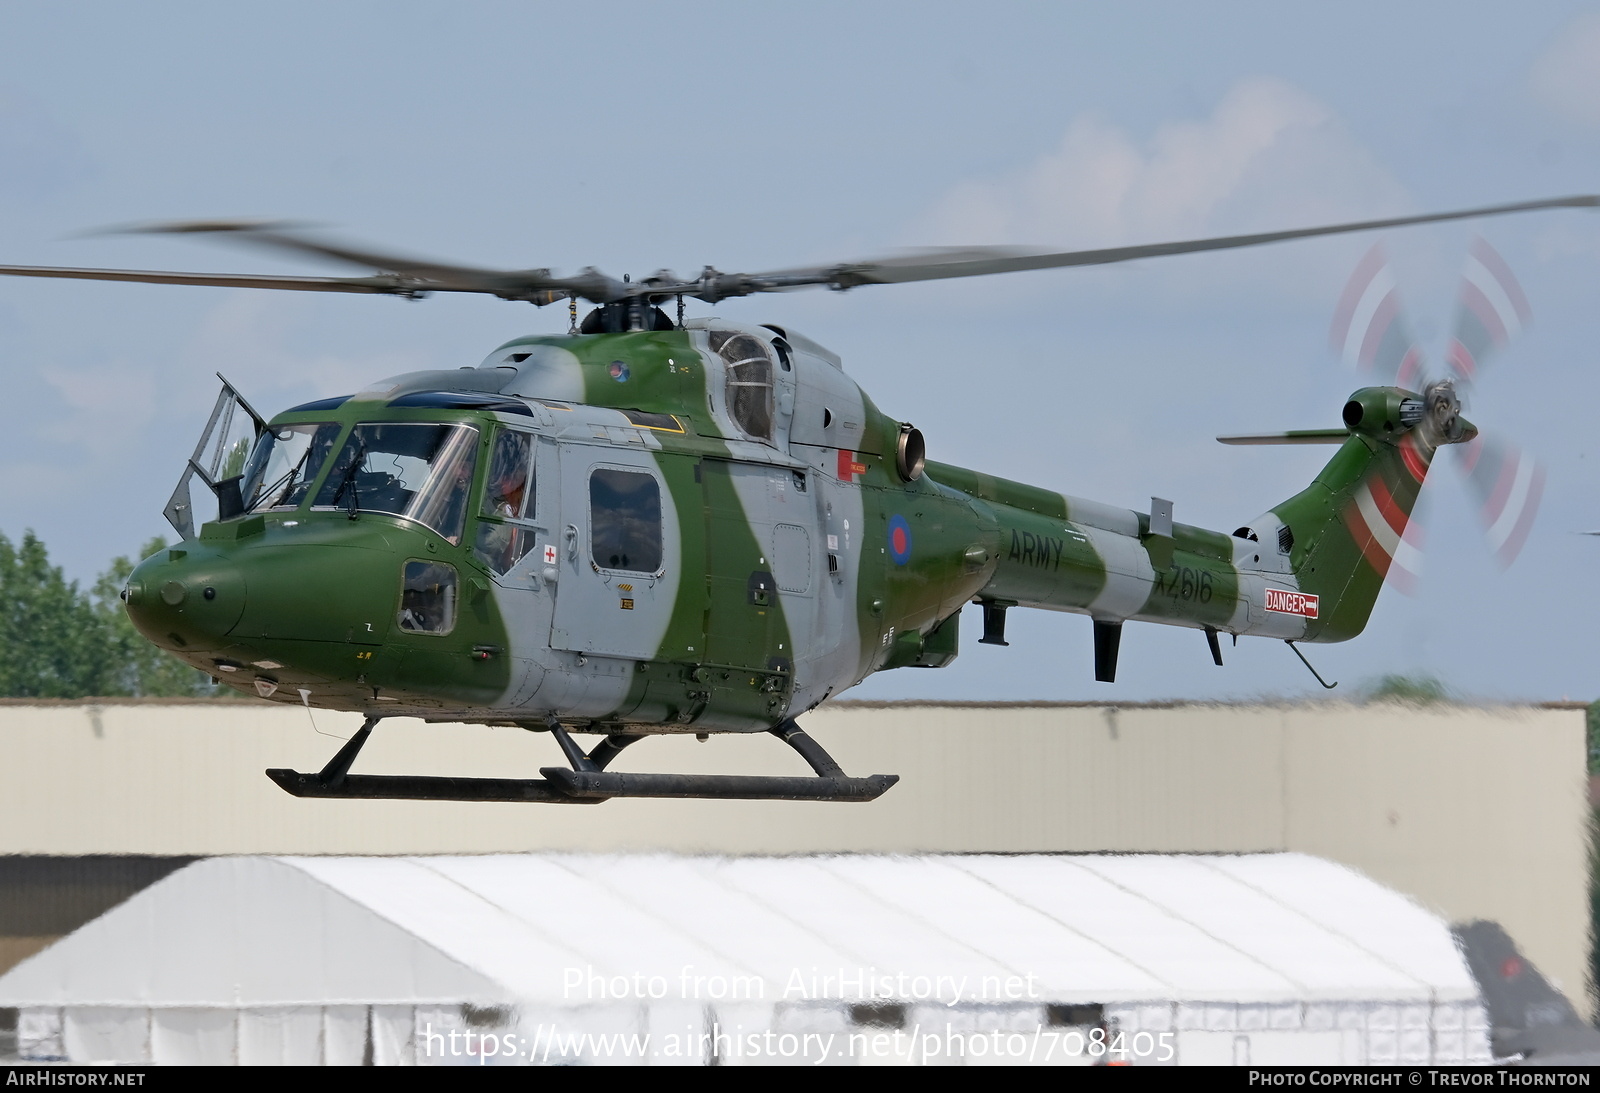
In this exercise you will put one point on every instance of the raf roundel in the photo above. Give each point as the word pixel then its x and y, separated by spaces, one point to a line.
pixel 899 539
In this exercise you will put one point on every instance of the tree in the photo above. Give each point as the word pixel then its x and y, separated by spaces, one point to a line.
pixel 57 641
pixel 55 646
pixel 1418 690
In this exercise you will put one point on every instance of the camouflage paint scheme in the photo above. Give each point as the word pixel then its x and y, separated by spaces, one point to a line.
pixel 793 565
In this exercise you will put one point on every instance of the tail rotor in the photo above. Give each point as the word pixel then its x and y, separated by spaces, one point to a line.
pixel 1370 332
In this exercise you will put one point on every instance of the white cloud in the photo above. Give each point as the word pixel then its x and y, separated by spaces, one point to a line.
pixel 1566 77
pixel 1268 156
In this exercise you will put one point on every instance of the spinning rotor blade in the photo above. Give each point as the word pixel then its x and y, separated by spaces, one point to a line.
pixel 535 285
pixel 1370 329
pixel 1507 485
pixel 404 276
pixel 393 286
pixel 1370 332
pixel 980 261
pixel 1491 309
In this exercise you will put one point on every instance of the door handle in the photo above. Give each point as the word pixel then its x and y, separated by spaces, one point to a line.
pixel 571 536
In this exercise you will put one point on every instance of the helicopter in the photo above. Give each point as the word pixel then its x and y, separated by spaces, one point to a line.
pixel 654 525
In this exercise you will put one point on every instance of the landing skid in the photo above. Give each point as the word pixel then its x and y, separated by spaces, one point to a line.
pixel 587 782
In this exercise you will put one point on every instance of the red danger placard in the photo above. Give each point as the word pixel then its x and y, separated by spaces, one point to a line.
pixel 1292 603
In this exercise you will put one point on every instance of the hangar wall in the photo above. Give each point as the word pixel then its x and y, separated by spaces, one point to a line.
pixel 1477 812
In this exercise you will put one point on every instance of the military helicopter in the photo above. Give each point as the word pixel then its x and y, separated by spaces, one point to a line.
pixel 655 525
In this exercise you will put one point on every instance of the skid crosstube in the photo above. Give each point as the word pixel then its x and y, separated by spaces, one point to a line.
pixel 588 783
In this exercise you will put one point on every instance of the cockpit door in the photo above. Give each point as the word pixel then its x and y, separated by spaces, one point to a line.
pixel 512 528
pixel 618 551
pixel 209 487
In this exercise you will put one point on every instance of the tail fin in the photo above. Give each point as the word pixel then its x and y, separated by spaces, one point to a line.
pixel 1527 1016
pixel 1351 528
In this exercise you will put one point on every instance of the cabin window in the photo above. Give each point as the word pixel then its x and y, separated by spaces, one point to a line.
pixel 749 367
pixel 428 598
pixel 625 520
pixel 283 464
pixel 418 470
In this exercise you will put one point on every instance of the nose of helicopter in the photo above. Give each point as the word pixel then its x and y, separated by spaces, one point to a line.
pixel 186 599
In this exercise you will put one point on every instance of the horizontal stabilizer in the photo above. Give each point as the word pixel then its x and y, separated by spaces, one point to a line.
pixel 1293 436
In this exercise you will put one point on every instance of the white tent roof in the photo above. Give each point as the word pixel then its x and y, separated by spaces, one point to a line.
pixel 557 928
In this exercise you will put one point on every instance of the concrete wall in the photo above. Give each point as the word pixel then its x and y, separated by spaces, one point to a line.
pixel 1476 812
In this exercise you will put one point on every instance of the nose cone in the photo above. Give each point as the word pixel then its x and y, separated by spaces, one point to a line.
pixel 186 599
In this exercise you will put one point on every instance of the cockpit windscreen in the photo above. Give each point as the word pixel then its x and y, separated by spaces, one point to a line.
pixel 421 471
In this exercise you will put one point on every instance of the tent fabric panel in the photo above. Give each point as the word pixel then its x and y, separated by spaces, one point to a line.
pixel 393 1036
pixel 870 934
pixel 1381 921
pixel 106 1034
pixel 39 1034
pixel 613 932
pixel 231 932
pixel 1319 962
pixel 512 959
pixel 690 893
pixel 193 1037
pixel 1189 961
pixel 344 1035
pixel 281 1036
pixel 1020 941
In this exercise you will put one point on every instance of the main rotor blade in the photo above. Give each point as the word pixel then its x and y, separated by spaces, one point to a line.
pixel 386 284
pixel 535 285
pixel 403 276
pixel 979 261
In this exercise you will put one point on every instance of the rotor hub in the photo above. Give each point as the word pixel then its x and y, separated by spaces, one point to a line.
pixel 1441 415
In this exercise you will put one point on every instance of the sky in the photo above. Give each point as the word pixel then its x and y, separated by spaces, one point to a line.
pixel 760 135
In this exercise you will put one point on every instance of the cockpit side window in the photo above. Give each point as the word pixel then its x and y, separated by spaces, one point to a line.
pixel 625 520
pixel 749 369
pixel 508 490
pixel 283 464
pixel 508 495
